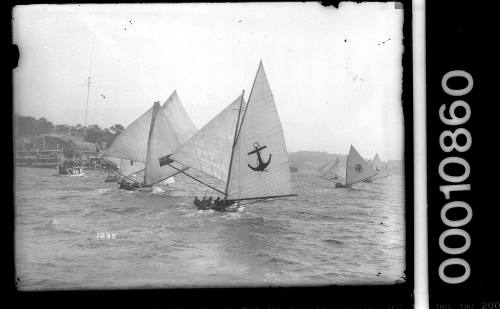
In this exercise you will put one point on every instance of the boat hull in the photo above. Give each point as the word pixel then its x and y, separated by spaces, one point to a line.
pixel 70 171
pixel 222 205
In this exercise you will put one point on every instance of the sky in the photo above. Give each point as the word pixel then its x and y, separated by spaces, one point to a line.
pixel 336 74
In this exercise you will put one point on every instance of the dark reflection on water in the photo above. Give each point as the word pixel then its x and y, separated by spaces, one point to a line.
pixel 322 236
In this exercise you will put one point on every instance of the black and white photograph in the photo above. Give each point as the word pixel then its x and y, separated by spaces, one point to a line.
pixel 209 145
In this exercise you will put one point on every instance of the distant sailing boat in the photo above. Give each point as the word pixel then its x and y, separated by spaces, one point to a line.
pixel 159 130
pixel 379 167
pixel 357 170
pixel 246 151
pixel 333 171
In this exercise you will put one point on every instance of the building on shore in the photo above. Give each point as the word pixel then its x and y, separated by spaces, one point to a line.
pixel 51 149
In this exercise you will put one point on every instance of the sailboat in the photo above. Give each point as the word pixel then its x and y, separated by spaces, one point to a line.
pixel 379 167
pixel 243 147
pixel 356 168
pixel 159 130
pixel 332 171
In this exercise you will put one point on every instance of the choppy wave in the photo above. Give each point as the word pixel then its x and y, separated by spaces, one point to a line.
pixel 322 236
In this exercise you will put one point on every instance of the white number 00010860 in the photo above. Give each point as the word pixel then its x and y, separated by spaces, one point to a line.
pixel 447 135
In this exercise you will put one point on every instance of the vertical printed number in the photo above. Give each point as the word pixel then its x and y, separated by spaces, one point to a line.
pixel 448 141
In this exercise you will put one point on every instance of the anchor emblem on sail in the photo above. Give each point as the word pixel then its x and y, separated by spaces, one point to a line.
pixel 358 168
pixel 261 164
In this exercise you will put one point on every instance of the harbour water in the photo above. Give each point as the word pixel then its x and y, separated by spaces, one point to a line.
pixel 83 233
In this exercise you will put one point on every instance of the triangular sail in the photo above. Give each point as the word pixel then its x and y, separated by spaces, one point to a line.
pixel 377 164
pixel 380 168
pixel 356 168
pixel 333 170
pixel 209 150
pixel 260 165
pixel 150 136
pixel 132 143
pixel 162 140
pixel 178 117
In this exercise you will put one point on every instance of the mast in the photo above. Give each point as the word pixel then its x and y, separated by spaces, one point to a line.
pixel 240 124
pixel 88 89
pixel 251 91
pixel 156 106
pixel 236 133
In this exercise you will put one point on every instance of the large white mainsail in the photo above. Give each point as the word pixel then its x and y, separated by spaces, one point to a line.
pixel 209 150
pixel 260 166
pixel 246 150
pixel 356 168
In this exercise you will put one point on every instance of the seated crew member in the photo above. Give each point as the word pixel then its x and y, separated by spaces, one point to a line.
pixel 196 201
pixel 219 205
pixel 217 201
pixel 203 203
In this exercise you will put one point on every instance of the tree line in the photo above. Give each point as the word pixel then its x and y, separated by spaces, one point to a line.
pixel 27 126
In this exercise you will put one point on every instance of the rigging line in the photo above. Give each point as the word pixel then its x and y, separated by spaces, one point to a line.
pixel 234 142
pixel 327 179
pixel 380 177
pixel 358 181
pixel 127 177
pixel 137 171
pixel 262 197
pixel 186 168
pixel 213 188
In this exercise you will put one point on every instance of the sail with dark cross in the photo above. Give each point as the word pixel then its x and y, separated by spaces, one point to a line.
pixel 357 169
